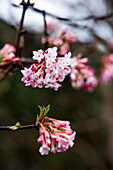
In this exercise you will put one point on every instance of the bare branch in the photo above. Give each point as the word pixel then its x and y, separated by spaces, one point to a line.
pixel 45 29
pixel 5 67
pixel 103 17
pixel 19 30
pixel 13 128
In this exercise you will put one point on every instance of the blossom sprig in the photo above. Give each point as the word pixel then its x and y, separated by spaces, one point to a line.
pixel 55 135
pixel 107 68
pixel 7 54
pixel 82 76
pixel 49 69
pixel 62 41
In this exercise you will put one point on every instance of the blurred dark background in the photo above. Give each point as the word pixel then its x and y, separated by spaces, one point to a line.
pixel 90 114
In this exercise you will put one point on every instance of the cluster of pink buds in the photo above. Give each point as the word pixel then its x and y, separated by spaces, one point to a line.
pixel 82 76
pixel 48 70
pixel 55 133
pixel 62 41
pixel 107 68
pixel 7 54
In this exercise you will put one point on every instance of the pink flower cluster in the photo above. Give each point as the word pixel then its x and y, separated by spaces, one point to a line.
pixel 7 54
pixel 56 133
pixel 48 71
pixel 107 68
pixel 62 41
pixel 82 76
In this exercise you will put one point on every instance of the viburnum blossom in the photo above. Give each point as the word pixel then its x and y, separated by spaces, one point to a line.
pixel 48 70
pixel 107 68
pixel 7 54
pixel 62 41
pixel 82 76
pixel 55 136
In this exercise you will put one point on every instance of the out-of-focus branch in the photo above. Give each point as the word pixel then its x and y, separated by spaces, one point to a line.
pixel 85 49
pixel 103 17
pixel 20 31
pixel 45 29
pixel 6 68
pixel 20 26
pixel 4 72
pixel 45 24
pixel 49 14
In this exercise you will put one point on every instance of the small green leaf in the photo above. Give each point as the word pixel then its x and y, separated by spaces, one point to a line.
pixel 47 109
pixel 17 124
pixel 43 112
pixel 41 109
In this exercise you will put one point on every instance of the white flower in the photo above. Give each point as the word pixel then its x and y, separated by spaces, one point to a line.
pixel 73 62
pixel 44 150
pixel 26 71
pixel 51 53
pixel 38 55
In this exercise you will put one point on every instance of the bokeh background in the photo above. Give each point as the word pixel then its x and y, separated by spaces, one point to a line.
pixel 90 114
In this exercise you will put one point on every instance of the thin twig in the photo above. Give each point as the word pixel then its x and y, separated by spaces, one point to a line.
pixel 103 17
pixel 45 23
pixel 13 128
pixel 49 14
pixel 20 26
pixel 45 29
pixel 4 72
pixel 5 68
